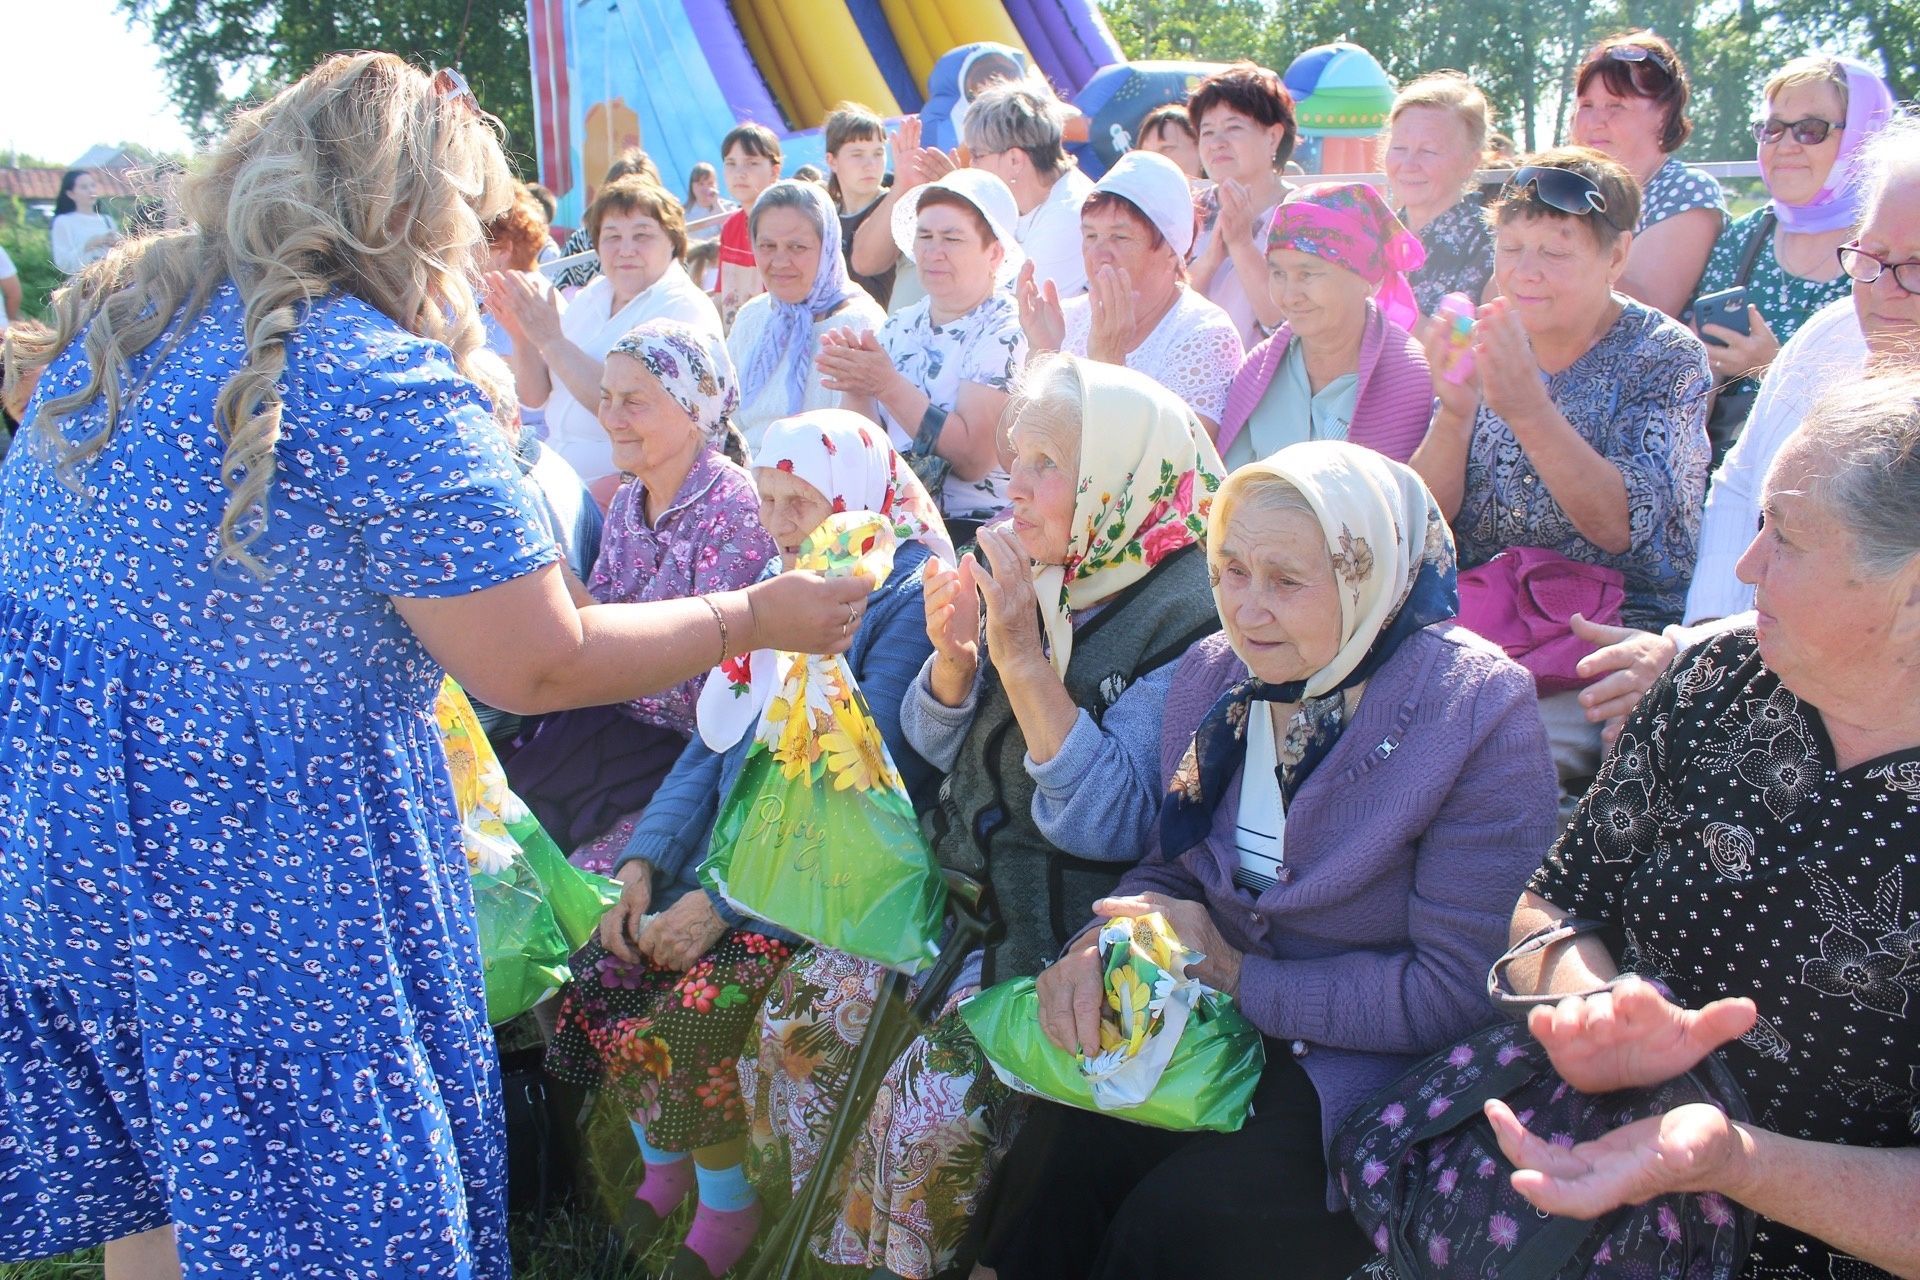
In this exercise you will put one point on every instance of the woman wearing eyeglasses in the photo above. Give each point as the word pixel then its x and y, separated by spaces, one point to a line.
pixel 1632 105
pixel 1820 111
pixel 1582 428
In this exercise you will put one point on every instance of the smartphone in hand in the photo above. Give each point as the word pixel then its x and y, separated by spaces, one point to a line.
pixel 1727 308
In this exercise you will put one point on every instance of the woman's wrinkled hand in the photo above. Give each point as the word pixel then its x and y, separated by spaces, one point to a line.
pixel 803 612
pixel 1005 587
pixel 854 362
pixel 682 933
pixel 1505 365
pixel 1691 1148
pixel 621 925
pixel 901 146
pixel 1193 924
pixel 1623 666
pixel 532 302
pixel 953 624
pixel 1741 355
pixel 1072 997
pixel 1633 1037
pixel 1041 317
pixel 1110 296
pixel 1461 400
pixel 1235 222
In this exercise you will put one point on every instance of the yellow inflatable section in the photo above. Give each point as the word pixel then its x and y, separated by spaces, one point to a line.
pixel 814 57
pixel 926 29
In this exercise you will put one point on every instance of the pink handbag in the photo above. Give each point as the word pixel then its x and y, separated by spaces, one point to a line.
pixel 1524 600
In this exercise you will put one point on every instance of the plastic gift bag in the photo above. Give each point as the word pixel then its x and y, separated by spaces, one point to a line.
pixel 818 835
pixel 1174 1053
pixel 534 908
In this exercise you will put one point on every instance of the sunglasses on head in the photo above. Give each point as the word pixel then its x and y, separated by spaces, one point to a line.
pixel 1561 189
pixel 1810 132
pixel 1640 59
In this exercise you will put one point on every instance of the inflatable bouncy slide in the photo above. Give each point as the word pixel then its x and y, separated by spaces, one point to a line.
pixel 674 76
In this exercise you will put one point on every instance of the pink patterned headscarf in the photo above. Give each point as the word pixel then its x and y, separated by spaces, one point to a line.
pixel 1349 224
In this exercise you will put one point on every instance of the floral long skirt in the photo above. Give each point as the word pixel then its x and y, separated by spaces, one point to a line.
pixel 939 1121
pixel 667 1043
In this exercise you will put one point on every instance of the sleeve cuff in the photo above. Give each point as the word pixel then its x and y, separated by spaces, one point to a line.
pixel 1071 765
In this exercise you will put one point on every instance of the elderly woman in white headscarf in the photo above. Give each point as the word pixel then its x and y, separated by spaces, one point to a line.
pixel 776 337
pixel 688 522
pixel 1354 787
pixel 665 995
pixel 1043 711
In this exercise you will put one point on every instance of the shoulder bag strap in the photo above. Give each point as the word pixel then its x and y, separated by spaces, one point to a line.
pixel 1755 242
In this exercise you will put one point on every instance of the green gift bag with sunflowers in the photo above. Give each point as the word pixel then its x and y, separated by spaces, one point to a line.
pixel 534 908
pixel 1174 1053
pixel 818 835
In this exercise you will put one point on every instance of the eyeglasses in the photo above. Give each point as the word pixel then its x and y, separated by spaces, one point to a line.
pixel 1639 56
pixel 453 87
pixel 1561 189
pixel 1866 268
pixel 1810 132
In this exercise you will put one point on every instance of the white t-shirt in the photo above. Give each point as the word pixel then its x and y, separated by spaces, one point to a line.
pixel 70 234
pixel 1828 350
pixel 1049 233
pixel 1260 830
pixel 861 313
pixel 986 346
pixel 573 429
pixel 1193 352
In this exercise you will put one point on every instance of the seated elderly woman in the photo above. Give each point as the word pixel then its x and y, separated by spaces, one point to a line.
pixel 1632 93
pixel 559 346
pixel 1770 784
pixel 776 337
pixel 1139 310
pixel 938 376
pixel 687 524
pixel 1355 934
pixel 1342 365
pixel 1047 736
pixel 1436 136
pixel 635 1018
pixel 1582 430
pixel 1819 113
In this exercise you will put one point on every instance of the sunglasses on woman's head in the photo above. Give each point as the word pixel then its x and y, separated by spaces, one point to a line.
pixel 1561 189
pixel 1810 132
pixel 1639 60
pixel 453 87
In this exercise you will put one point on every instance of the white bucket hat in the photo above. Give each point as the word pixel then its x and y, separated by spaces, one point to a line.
pixel 985 192
pixel 1158 188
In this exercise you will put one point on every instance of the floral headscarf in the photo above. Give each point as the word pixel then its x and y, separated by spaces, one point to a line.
pixel 785 346
pixel 1394 557
pixel 1148 473
pixel 694 368
pixel 1869 106
pixel 1348 224
pixel 849 460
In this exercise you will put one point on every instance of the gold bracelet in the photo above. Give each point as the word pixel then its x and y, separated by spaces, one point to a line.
pixel 720 618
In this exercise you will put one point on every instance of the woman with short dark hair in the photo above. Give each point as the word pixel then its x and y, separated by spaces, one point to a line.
pixel 1244 118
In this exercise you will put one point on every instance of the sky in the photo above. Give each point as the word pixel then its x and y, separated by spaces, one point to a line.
pixel 74 75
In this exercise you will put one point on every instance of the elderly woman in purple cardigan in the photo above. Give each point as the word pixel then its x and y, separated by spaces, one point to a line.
pixel 1343 365
pixel 1356 788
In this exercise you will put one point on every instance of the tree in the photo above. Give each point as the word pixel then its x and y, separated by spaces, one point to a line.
pixel 263 45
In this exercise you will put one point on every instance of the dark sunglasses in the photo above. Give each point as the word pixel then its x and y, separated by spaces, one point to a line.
pixel 1561 189
pixel 1810 132
pixel 1640 55
pixel 453 87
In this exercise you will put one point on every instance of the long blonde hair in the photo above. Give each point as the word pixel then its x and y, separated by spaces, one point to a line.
pixel 360 178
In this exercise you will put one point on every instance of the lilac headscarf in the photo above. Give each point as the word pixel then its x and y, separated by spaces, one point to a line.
pixel 1869 106
pixel 785 345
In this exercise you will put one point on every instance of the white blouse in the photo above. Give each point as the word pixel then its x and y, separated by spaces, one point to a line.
pixel 71 231
pixel 861 314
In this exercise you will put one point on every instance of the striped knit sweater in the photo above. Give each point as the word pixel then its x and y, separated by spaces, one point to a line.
pixel 1395 400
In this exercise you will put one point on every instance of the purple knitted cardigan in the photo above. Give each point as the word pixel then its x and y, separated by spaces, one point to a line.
pixel 1394 403
pixel 1408 847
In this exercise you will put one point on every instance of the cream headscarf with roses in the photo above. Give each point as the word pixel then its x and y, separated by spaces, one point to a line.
pixel 1148 473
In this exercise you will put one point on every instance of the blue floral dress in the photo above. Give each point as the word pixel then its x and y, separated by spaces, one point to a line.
pixel 239 983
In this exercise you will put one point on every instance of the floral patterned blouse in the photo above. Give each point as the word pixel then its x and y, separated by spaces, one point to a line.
pixel 1786 301
pixel 1639 397
pixel 710 539
pixel 1738 861
pixel 1459 254
pixel 987 346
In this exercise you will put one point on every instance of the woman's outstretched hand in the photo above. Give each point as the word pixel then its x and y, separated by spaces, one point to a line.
pixel 1632 1036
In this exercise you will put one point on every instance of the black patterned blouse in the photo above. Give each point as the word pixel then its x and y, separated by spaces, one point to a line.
pixel 1459 254
pixel 1738 861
